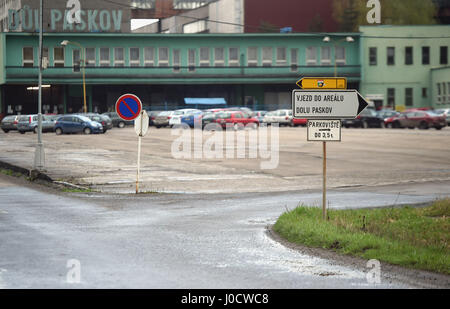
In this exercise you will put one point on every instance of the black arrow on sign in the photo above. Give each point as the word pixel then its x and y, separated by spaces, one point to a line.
pixel 362 103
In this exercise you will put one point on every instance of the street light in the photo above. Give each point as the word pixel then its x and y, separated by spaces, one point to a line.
pixel 65 43
pixel 347 39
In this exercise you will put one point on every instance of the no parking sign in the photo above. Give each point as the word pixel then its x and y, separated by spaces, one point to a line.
pixel 128 106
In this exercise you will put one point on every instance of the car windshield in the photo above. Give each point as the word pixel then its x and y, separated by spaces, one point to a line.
pixel 84 118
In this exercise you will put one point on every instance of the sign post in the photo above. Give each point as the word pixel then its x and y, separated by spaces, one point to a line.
pixel 129 107
pixel 141 128
pixel 324 110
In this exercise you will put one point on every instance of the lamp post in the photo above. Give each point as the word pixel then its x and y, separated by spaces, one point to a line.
pixel 347 39
pixel 64 43
pixel 39 154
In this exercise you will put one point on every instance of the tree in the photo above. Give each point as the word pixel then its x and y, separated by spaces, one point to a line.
pixel 350 14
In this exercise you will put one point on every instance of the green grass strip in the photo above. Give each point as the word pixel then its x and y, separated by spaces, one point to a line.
pixel 407 236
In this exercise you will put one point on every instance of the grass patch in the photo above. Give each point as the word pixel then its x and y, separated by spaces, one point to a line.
pixel 410 237
pixel 77 190
pixel 10 173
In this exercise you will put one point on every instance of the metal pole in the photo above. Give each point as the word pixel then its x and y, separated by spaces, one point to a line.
pixel 139 150
pixel 324 188
pixel 84 79
pixel 138 164
pixel 39 153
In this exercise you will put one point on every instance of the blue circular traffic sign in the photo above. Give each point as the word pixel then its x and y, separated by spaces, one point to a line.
pixel 128 106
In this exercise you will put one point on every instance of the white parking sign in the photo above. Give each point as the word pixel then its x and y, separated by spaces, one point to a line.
pixel 324 130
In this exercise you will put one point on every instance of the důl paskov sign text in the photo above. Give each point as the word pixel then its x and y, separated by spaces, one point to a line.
pixel 80 20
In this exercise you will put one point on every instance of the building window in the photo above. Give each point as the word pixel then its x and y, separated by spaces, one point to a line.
pixel 204 57
pixel 28 57
pixel 311 56
pixel 76 60
pixel 444 93
pixel 90 57
pixel 439 93
pixel 391 97
pixel 325 55
pixel 340 55
pixel 425 55
pixel 191 60
pixel 391 56
pixel 135 57
pixel 294 59
pixel 444 55
pixel 408 55
pixel 281 56
pixel 409 96
pixel 219 56
pixel 176 60
pixel 163 57
pixel 119 57
pixel 252 56
pixel 58 57
pixel 104 57
pixel 149 56
pixel 424 92
pixel 267 56
pixel 373 56
pixel 233 58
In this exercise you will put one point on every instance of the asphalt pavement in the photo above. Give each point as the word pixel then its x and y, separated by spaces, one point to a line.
pixel 171 240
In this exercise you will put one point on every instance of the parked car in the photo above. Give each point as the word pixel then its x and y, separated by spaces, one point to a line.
pixel 192 118
pixel 420 119
pixel 299 122
pixel 259 115
pixel 236 119
pixel 367 119
pixel 117 121
pixel 209 117
pixel 444 112
pixel 9 123
pixel 29 123
pixel 151 117
pixel 247 111
pixel 106 122
pixel 281 116
pixel 77 124
pixel 162 120
pixel 176 116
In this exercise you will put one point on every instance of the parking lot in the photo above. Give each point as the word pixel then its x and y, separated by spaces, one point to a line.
pixel 365 157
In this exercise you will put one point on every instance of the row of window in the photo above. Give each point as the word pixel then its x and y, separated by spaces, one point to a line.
pixel 409 55
pixel 147 56
pixel 409 96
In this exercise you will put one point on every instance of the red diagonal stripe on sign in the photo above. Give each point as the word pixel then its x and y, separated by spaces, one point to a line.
pixel 132 112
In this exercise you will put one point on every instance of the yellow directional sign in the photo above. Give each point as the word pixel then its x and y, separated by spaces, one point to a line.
pixel 323 83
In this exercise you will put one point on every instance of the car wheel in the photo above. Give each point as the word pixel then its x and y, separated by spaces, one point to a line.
pixel 22 132
pixel 87 131
pixel 104 131
pixel 58 131
pixel 382 125
pixel 365 125
pixel 396 125
pixel 158 127
pixel 389 125
pixel 438 128
pixel 6 131
pixel 121 124
pixel 35 130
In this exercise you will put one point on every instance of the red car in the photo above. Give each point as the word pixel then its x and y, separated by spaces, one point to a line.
pixel 298 122
pixel 238 120
pixel 419 119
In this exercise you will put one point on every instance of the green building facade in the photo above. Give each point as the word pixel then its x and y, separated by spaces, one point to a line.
pixel 254 70
pixel 403 66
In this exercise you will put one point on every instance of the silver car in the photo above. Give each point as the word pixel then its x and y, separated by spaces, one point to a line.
pixel 29 123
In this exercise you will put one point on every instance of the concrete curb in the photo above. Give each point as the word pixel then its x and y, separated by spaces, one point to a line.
pixel 33 174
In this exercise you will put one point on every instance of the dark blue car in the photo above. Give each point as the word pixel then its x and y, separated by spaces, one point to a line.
pixel 77 124
pixel 192 118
